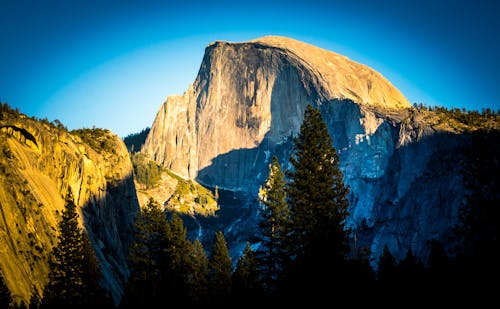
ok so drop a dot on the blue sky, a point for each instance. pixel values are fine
(112, 63)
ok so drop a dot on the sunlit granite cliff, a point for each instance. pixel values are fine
(402, 164)
(39, 163)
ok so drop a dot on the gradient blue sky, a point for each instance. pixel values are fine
(112, 63)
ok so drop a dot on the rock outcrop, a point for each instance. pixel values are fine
(39, 163)
(247, 102)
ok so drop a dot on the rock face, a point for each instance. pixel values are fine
(39, 163)
(246, 92)
(248, 101)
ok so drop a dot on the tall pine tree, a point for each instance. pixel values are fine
(318, 204)
(74, 271)
(178, 260)
(247, 283)
(198, 273)
(146, 258)
(275, 221)
(220, 270)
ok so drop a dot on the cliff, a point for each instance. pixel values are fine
(402, 164)
(39, 163)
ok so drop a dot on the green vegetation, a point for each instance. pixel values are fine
(247, 282)
(220, 269)
(146, 172)
(101, 140)
(191, 197)
(74, 271)
(135, 141)
(472, 119)
(274, 225)
(317, 194)
(161, 259)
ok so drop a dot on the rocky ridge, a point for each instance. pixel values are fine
(246, 104)
(39, 163)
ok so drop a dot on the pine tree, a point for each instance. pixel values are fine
(146, 258)
(275, 220)
(410, 270)
(220, 270)
(246, 278)
(5, 297)
(177, 260)
(318, 209)
(387, 267)
(74, 271)
(198, 273)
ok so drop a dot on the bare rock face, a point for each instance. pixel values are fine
(248, 101)
(39, 164)
(246, 92)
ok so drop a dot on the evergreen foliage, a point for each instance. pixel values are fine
(177, 261)
(317, 194)
(101, 140)
(146, 257)
(387, 267)
(146, 172)
(198, 274)
(74, 271)
(135, 141)
(246, 278)
(220, 270)
(275, 215)
(318, 202)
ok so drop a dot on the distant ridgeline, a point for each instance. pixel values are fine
(134, 141)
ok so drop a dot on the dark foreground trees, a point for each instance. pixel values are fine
(74, 278)
(318, 205)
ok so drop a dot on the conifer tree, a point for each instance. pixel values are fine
(177, 260)
(387, 267)
(410, 270)
(146, 258)
(275, 221)
(198, 273)
(246, 278)
(318, 203)
(220, 270)
(74, 271)
(438, 262)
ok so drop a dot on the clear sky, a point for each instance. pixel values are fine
(112, 63)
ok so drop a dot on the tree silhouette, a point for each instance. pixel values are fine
(146, 258)
(74, 271)
(246, 278)
(220, 270)
(387, 267)
(318, 204)
(274, 225)
(198, 274)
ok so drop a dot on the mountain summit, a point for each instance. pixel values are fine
(338, 76)
(247, 103)
(247, 91)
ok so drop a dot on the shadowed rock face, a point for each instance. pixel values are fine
(39, 163)
(248, 101)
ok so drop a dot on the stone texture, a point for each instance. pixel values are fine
(39, 163)
(248, 101)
